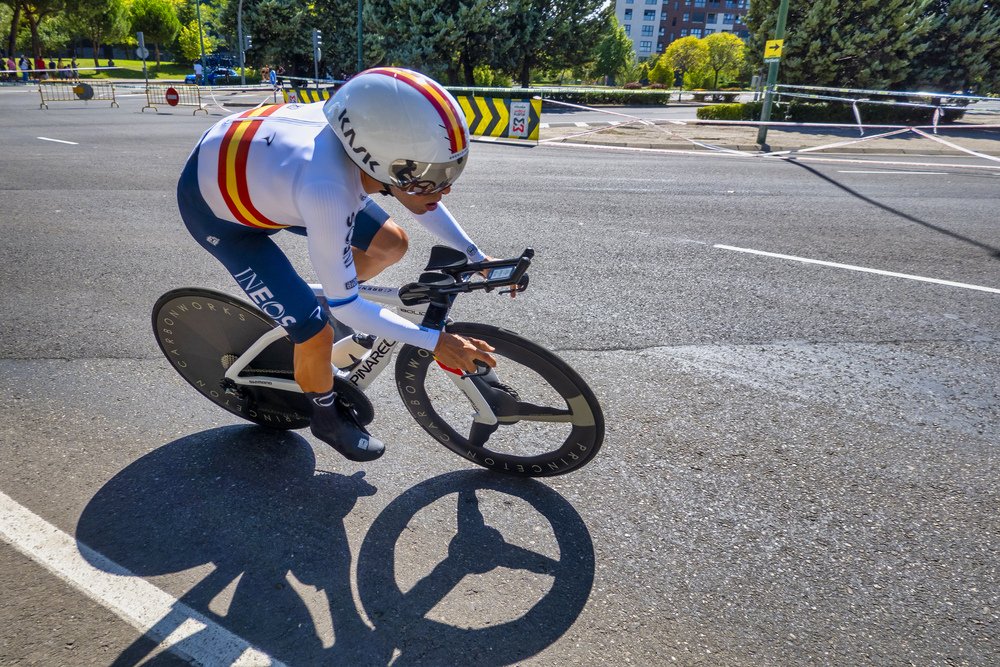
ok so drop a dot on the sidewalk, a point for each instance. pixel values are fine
(668, 135)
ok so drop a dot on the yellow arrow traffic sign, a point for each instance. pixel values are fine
(773, 48)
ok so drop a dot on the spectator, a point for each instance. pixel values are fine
(3, 68)
(11, 68)
(40, 66)
(73, 70)
(60, 68)
(25, 66)
(111, 62)
(52, 64)
(198, 71)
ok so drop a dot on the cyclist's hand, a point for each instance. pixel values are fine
(486, 273)
(462, 353)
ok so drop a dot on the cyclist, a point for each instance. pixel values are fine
(310, 169)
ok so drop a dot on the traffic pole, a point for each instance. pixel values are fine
(772, 75)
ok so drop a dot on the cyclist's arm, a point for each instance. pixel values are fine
(322, 208)
(442, 224)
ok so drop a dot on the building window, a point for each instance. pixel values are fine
(652, 2)
(628, 29)
(649, 15)
(628, 14)
(713, 3)
(686, 18)
(645, 47)
(647, 31)
(730, 4)
(729, 19)
(709, 31)
(698, 17)
(699, 3)
(696, 32)
(661, 31)
(711, 18)
(674, 21)
(684, 32)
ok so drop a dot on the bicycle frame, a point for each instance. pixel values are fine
(371, 365)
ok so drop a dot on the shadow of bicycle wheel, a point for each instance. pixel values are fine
(402, 618)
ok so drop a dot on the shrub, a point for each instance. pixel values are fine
(586, 97)
(632, 86)
(800, 112)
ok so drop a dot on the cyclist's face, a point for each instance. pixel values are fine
(417, 203)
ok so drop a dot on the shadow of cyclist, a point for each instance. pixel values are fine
(249, 502)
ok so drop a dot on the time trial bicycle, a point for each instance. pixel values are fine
(531, 416)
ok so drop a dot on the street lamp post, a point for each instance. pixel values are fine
(239, 36)
(201, 38)
(772, 75)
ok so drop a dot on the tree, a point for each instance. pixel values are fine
(157, 21)
(553, 33)
(662, 72)
(687, 54)
(725, 54)
(450, 36)
(615, 55)
(963, 51)
(36, 11)
(101, 20)
(191, 41)
(15, 20)
(845, 43)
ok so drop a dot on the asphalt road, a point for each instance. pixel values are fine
(800, 464)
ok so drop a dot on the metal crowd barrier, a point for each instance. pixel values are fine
(71, 91)
(174, 96)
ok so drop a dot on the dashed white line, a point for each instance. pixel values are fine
(915, 173)
(860, 268)
(142, 605)
(59, 141)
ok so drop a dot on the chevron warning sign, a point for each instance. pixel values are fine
(495, 117)
(304, 96)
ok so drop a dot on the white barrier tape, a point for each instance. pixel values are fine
(864, 101)
(841, 143)
(590, 131)
(956, 146)
(670, 151)
(886, 92)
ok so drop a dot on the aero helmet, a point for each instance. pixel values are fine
(401, 128)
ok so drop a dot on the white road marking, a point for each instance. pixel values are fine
(143, 606)
(60, 141)
(915, 173)
(581, 124)
(860, 268)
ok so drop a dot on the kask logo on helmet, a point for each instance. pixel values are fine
(349, 135)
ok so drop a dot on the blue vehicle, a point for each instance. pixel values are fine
(217, 76)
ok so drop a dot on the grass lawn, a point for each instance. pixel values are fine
(132, 69)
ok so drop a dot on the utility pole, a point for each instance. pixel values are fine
(317, 52)
(772, 73)
(201, 41)
(239, 37)
(359, 34)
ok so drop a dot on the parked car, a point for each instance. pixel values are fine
(217, 76)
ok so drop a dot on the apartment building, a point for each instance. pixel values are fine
(653, 24)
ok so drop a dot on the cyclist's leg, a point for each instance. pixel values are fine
(377, 242)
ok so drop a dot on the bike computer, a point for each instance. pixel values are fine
(500, 274)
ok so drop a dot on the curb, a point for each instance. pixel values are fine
(755, 148)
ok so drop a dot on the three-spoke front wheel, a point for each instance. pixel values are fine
(548, 420)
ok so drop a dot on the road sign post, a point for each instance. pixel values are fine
(773, 59)
(143, 53)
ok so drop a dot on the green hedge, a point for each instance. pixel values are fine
(586, 96)
(800, 112)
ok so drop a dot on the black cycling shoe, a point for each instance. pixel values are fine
(335, 424)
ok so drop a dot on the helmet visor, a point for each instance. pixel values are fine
(424, 178)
